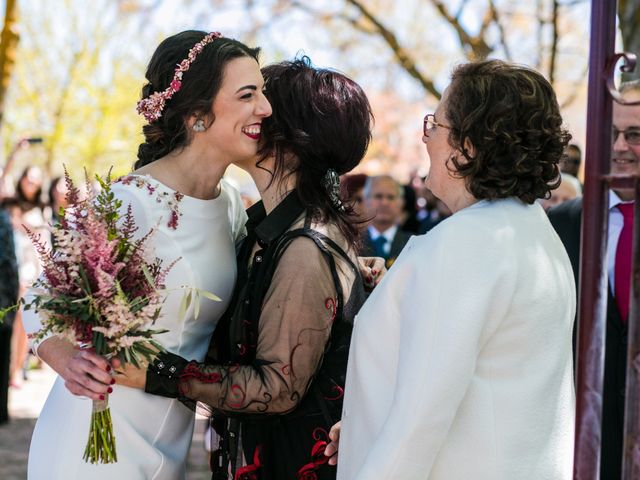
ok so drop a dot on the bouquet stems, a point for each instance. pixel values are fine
(101, 446)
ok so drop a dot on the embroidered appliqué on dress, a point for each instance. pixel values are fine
(318, 458)
(171, 200)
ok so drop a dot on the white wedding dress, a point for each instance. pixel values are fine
(153, 434)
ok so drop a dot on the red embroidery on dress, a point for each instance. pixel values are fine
(320, 433)
(236, 389)
(318, 458)
(331, 304)
(250, 472)
(293, 352)
(171, 200)
(192, 371)
(339, 393)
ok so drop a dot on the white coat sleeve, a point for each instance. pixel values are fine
(449, 299)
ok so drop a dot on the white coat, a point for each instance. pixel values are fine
(460, 364)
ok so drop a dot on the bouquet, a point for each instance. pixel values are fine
(101, 289)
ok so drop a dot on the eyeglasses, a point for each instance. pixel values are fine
(631, 135)
(430, 123)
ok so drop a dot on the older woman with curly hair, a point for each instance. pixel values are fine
(460, 363)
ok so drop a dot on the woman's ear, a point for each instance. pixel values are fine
(191, 120)
(468, 147)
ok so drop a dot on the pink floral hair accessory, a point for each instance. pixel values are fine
(151, 107)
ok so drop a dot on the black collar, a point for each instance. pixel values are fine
(269, 227)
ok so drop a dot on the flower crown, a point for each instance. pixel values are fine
(151, 107)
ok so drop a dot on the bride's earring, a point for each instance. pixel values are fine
(198, 126)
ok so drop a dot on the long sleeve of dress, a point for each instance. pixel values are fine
(446, 312)
(295, 324)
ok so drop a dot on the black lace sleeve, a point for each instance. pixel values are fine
(295, 325)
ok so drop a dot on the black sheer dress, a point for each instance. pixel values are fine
(275, 372)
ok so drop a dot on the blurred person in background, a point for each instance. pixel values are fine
(352, 192)
(9, 287)
(27, 212)
(435, 211)
(565, 191)
(57, 198)
(383, 202)
(7, 188)
(571, 160)
(409, 218)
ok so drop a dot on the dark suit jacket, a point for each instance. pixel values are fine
(8, 266)
(567, 221)
(399, 241)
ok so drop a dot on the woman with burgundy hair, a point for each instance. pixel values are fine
(276, 370)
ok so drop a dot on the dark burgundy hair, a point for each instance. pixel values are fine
(323, 119)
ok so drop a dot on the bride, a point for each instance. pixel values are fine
(205, 114)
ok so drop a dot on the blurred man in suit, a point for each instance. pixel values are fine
(567, 219)
(383, 202)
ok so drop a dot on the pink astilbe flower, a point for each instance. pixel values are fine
(100, 257)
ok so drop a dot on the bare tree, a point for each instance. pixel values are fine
(8, 44)
(501, 25)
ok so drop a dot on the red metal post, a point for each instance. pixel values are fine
(631, 463)
(593, 280)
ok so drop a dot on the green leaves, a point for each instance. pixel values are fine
(6, 311)
(193, 294)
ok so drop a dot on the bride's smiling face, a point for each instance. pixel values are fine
(238, 111)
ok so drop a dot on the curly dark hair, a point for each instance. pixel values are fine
(322, 118)
(200, 85)
(511, 116)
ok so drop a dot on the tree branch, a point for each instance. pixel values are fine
(501, 30)
(575, 91)
(554, 41)
(401, 54)
(479, 49)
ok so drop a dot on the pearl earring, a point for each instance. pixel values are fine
(198, 126)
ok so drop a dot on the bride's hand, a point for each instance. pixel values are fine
(87, 374)
(130, 375)
(331, 450)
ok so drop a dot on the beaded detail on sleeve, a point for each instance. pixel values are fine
(170, 199)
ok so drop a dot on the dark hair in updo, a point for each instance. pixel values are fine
(323, 119)
(511, 116)
(200, 85)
